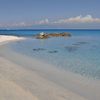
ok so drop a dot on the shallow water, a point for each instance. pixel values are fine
(79, 53)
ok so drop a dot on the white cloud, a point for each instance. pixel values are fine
(42, 22)
(17, 24)
(25, 24)
(79, 19)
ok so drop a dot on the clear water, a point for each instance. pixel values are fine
(79, 53)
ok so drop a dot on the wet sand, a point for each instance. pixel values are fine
(25, 78)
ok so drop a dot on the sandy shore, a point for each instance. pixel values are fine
(25, 78)
(4, 39)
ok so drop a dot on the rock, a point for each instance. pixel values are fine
(39, 49)
(42, 36)
(71, 48)
(80, 43)
(47, 35)
(55, 51)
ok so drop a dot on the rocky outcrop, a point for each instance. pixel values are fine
(45, 36)
(48, 35)
(59, 34)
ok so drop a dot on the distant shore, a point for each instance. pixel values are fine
(25, 78)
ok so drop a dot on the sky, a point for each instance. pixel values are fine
(50, 14)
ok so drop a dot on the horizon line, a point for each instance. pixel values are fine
(50, 29)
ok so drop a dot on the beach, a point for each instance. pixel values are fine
(26, 78)
(4, 39)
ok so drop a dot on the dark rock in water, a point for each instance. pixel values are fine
(48, 35)
(75, 46)
(39, 49)
(82, 42)
(59, 34)
(42, 36)
(55, 51)
(79, 43)
(71, 48)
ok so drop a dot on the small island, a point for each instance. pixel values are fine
(43, 35)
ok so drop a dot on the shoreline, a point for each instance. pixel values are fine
(40, 80)
(7, 38)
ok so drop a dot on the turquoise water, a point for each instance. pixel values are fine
(79, 54)
(36, 31)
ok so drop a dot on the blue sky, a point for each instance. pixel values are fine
(49, 13)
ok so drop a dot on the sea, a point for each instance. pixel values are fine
(79, 53)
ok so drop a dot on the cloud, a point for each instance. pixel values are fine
(19, 24)
(42, 22)
(78, 19)
(16, 24)
(26, 24)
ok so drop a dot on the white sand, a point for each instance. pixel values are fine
(25, 78)
(17, 83)
(5, 39)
